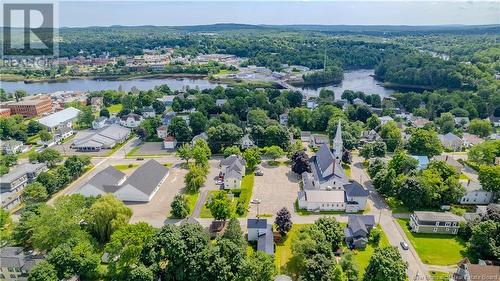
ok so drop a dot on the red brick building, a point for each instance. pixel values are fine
(4, 112)
(31, 106)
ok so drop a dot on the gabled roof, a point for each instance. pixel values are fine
(200, 136)
(107, 177)
(21, 170)
(324, 157)
(257, 223)
(59, 117)
(231, 159)
(354, 189)
(136, 117)
(147, 177)
(436, 216)
(358, 224)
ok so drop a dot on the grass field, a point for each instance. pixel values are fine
(283, 257)
(240, 195)
(437, 249)
(362, 257)
(115, 108)
(191, 198)
(397, 207)
(123, 167)
(439, 276)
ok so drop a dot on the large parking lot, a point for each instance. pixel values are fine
(151, 148)
(276, 189)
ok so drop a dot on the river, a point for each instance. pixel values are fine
(357, 80)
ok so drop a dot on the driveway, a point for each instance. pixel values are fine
(156, 211)
(276, 189)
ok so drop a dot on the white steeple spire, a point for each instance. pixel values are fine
(337, 142)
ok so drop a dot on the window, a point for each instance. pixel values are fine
(435, 229)
(454, 223)
(12, 276)
(437, 223)
(454, 231)
(447, 223)
(447, 229)
(10, 269)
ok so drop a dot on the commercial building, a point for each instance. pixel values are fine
(63, 118)
(4, 112)
(105, 138)
(30, 106)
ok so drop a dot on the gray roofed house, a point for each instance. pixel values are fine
(259, 230)
(435, 222)
(450, 141)
(140, 186)
(200, 136)
(355, 189)
(15, 261)
(220, 102)
(371, 136)
(358, 229)
(450, 161)
(256, 223)
(19, 176)
(12, 146)
(233, 170)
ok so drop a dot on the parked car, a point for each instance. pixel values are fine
(404, 245)
(259, 173)
(139, 159)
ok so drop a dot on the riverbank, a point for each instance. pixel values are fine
(237, 82)
(403, 87)
(19, 78)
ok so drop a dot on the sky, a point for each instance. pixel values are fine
(85, 13)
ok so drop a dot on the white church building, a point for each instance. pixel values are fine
(326, 187)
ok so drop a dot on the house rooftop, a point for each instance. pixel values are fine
(147, 177)
(257, 223)
(355, 189)
(436, 216)
(325, 196)
(20, 170)
(59, 117)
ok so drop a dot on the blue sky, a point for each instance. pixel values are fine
(105, 13)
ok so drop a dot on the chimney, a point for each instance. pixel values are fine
(446, 157)
(468, 182)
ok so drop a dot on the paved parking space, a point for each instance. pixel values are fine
(276, 189)
(156, 211)
(151, 148)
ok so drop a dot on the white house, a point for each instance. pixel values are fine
(495, 121)
(385, 119)
(259, 230)
(311, 103)
(169, 143)
(246, 142)
(140, 186)
(233, 170)
(99, 123)
(63, 133)
(200, 136)
(148, 112)
(131, 120)
(12, 146)
(220, 102)
(475, 194)
(284, 119)
(162, 131)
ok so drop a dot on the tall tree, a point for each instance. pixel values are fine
(424, 142)
(180, 208)
(386, 264)
(106, 215)
(43, 271)
(220, 206)
(283, 221)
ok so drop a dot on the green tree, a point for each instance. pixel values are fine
(49, 156)
(252, 157)
(257, 117)
(104, 113)
(180, 208)
(446, 122)
(489, 176)
(33, 127)
(75, 257)
(349, 266)
(334, 232)
(34, 193)
(107, 215)
(179, 129)
(373, 122)
(185, 152)
(259, 266)
(125, 248)
(198, 122)
(386, 264)
(49, 181)
(485, 240)
(485, 152)
(220, 206)
(195, 178)
(391, 135)
(43, 271)
(140, 273)
(45, 136)
(424, 142)
(480, 127)
(366, 151)
(224, 135)
(231, 150)
(85, 117)
(274, 152)
(402, 163)
(233, 233)
(201, 153)
(414, 194)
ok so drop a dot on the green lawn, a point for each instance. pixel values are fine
(438, 249)
(240, 195)
(115, 108)
(464, 176)
(362, 257)
(123, 167)
(283, 257)
(191, 199)
(397, 207)
(439, 276)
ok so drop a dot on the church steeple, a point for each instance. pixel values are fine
(337, 142)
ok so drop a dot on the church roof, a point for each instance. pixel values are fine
(324, 157)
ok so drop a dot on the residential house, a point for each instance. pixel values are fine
(167, 117)
(12, 147)
(63, 133)
(283, 119)
(358, 229)
(318, 140)
(435, 222)
(131, 120)
(200, 136)
(312, 103)
(467, 271)
(450, 141)
(461, 121)
(469, 140)
(13, 183)
(423, 161)
(358, 101)
(162, 131)
(495, 121)
(220, 102)
(99, 123)
(262, 232)
(16, 263)
(327, 187)
(169, 142)
(419, 122)
(105, 138)
(385, 119)
(140, 186)
(246, 142)
(167, 100)
(148, 112)
(63, 118)
(305, 136)
(233, 170)
(371, 136)
(475, 194)
(450, 161)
